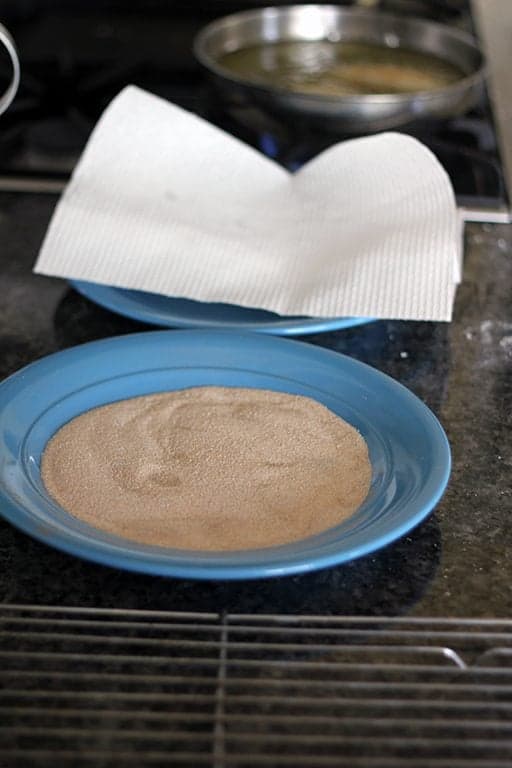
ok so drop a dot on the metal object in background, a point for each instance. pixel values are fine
(493, 20)
(12, 88)
(365, 112)
(91, 687)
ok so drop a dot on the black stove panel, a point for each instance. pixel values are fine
(74, 63)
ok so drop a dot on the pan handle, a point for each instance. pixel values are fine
(10, 92)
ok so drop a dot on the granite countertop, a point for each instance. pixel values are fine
(457, 563)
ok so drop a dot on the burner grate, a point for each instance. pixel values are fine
(101, 688)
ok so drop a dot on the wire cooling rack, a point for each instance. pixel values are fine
(90, 687)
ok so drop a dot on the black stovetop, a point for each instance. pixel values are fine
(75, 61)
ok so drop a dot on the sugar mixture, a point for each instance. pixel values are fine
(209, 468)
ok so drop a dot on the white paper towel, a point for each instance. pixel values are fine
(162, 201)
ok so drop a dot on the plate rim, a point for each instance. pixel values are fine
(109, 554)
(104, 296)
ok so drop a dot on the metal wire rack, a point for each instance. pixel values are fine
(90, 687)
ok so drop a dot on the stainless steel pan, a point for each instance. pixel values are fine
(359, 113)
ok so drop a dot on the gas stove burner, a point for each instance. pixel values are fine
(465, 147)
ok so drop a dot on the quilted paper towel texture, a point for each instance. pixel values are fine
(163, 201)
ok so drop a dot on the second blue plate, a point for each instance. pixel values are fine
(169, 312)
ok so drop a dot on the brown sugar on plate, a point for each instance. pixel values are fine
(209, 468)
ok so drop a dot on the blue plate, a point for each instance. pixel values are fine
(409, 451)
(184, 313)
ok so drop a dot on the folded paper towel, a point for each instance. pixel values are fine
(162, 201)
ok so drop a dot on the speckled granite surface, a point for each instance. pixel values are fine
(457, 563)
